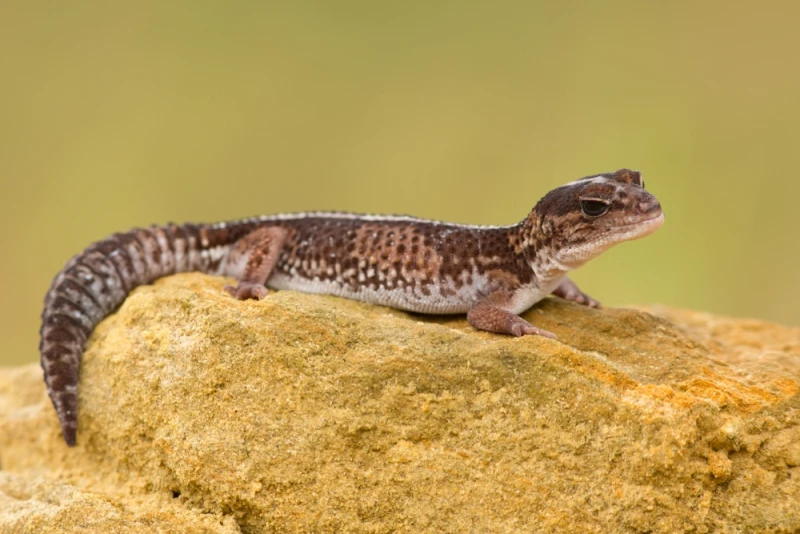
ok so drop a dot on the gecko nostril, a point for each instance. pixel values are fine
(649, 206)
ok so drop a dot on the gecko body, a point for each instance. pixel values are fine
(491, 273)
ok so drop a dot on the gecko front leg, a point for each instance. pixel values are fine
(259, 250)
(568, 290)
(490, 314)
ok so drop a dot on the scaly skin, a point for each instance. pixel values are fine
(491, 273)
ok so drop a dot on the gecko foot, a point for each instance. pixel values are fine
(492, 318)
(568, 290)
(248, 290)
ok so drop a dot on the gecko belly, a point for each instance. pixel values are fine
(434, 299)
(431, 298)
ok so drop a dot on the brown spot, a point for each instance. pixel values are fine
(155, 252)
(60, 335)
(169, 232)
(61, 320)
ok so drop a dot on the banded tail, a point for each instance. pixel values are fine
(95, 283)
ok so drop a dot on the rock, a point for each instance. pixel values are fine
(32, 503)
(304, 413)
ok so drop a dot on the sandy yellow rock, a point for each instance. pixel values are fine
(35, 503)
(305, 413)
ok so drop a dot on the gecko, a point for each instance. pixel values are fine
(491, 273)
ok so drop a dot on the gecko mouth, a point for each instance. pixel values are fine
(656, 220)
(641, 228)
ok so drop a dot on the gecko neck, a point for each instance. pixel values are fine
(539, 247)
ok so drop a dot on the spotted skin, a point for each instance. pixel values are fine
(491, 273)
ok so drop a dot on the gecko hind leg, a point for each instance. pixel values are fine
(259, 251)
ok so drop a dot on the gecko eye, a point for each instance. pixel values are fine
(594, 208)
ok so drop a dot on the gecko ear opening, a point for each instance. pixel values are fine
(593, 207)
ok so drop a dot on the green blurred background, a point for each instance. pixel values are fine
(117, 114)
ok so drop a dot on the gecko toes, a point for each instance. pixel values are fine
(524, 328)
(248, 290)
(589, 301)
(545, 333)
(583, 299)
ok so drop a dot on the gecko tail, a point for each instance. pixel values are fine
(94, 283)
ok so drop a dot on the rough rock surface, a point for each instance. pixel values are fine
(303, 413)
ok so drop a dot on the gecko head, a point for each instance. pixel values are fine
(581, 219)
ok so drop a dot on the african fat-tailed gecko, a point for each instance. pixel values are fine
(491, 273)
